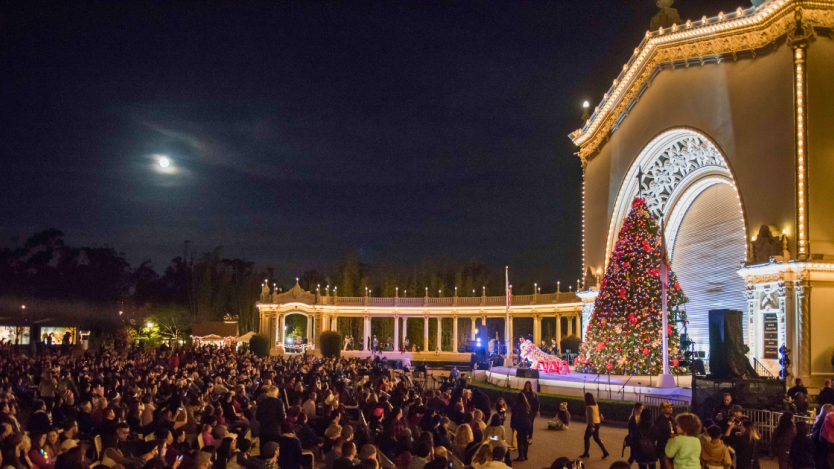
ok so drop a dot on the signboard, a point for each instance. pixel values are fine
(771, 336)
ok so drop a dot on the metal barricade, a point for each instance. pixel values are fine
(767, 421)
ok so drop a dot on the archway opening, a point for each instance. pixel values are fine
(710, 243)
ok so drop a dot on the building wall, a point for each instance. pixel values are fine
(822, 323)
(820, 83)
(742, 106)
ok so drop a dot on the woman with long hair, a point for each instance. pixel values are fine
(478, 420)
(520, 422)
(593, 417)
(494, 432)
(633, 422)
(501, 408)
(463, 437)
(53, 444)
(744, 439)
(14, 454)
(483, 457)
(780, 441)
(533, 400)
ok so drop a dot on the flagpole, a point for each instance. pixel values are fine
(508, 362)
(666, 379)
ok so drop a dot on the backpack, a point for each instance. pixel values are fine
(645, 445)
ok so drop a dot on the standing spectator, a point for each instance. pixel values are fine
(533, 400)
(685, 447)
(714, 453)
(270, 414)
(633, 422)
(501, 409)
(593, 419)
(520, 422)
(642, 440)
(797, 388)
(744, 439)
(802, 448)
(724, 411)
(821, 453)
(782, 439)
(664, 430)
(826, 395)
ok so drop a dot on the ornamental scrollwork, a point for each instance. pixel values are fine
(763, 278)
(673, 165)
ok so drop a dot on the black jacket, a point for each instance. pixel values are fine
(39, 423)
(290, 456)
(270, 415)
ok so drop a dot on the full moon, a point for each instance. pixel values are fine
(164, 162)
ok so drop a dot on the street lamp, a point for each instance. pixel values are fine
(149, 324)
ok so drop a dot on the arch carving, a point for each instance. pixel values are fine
(670, 172)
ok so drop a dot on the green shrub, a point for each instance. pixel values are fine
(259, 345)
(330, 344)
(571, 343)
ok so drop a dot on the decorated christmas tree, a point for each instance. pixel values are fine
(624, 335)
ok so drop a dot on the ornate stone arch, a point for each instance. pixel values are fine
(674, 168)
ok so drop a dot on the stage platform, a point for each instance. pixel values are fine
(618, 387)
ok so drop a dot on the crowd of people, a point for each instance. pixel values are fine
(220, 408)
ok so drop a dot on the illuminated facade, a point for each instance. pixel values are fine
(322, 309)
(724, 125)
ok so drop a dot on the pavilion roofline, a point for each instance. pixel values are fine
(672, 43)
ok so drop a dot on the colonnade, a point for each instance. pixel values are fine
(330, 323)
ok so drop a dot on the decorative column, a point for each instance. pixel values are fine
(455, 334)
(801, 353)
(366, 333)
(439, 334)
(799, 44)
(425, 333)
(396, 333)
(559, 331)
(405, 328)
(537, 330)
(310, 334)
(474, 326)
(272, 326)
(283, 330)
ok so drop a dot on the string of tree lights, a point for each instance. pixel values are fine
(623, 335)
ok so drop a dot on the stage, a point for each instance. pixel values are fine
(629, 388)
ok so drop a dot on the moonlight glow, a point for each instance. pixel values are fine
(164, 162)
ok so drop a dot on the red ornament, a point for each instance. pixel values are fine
(677, 286)
(669, 329)
(619, 349)
(675, 362)
(645, 351)
(655, 273)
(647, 246)
(609, 365)
(621, 293)
(631, 319)
(600, 346)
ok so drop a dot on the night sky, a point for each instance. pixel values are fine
(301, 131)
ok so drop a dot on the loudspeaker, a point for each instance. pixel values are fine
(727, 352)
(526, 373)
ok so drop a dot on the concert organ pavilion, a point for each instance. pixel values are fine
(728, 122)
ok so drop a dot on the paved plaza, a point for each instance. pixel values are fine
(548, 445)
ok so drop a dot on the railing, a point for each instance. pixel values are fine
(762, 370)
(653, 404)
(767, 421)
(444, 301)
